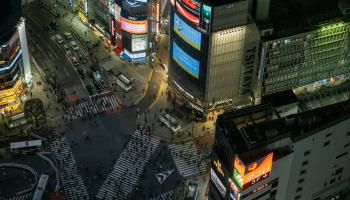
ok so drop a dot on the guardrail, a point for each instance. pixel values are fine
(81, 40)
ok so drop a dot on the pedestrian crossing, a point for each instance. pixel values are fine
(189, 162)
(93, 106)
(25, 196)
(70, 177)
(128, 168)
(164, 196)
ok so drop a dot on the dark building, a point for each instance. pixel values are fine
(261, 152)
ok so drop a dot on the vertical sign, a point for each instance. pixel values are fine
(206, 17)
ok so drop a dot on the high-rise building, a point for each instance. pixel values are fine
(231, 53)
(129, 25)
(260, 153)
(15, 73)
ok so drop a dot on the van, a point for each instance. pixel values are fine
(59, 39)
(75, 61)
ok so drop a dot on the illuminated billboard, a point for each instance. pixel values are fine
(219, 185)
(130, 26)
(187, 14)
(138, 42)
(250, 174)
(186, 32)
(191, 5)
(206, 17)
(134, 57)
(185, 61)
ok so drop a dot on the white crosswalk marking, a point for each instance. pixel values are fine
(94, 106)
(128, 168)
(68, 170)
(164, 196)
(188, 161)
(25, 196)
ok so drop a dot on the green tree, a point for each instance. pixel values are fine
(34, 112)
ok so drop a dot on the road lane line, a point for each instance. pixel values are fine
(146, 89)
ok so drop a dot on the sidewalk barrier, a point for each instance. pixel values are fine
(83, 43)
(53, 12)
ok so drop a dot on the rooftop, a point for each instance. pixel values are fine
(290, 17)
(10, 13)
(255, 127)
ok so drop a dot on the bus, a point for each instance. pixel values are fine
(169, 121)
(25, 147)
(41, 187)
(16, 120)
(124, 82)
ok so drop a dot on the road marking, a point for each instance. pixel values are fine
(66, 71)
(161, 87)
(147, 85)
(163, 176)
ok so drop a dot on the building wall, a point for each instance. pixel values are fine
(232, 64)
(303, 59)
(318, 160)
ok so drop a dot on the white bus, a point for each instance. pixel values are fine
(25, 147)
(41, 187)
(169, 121)
(16, 120)
(124, 82)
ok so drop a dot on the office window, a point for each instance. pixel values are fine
(332, 181)
(307, 153)
(326, 143)
(297, 197)
(348, 134)
(338, 171)
(299, 189)
(346, 145)
(341, 155)
(301, 180)
(302, 172)
(329, 134)
(305, 163)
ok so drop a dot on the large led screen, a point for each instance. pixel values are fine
(137, 27)
(186, 62)
(139, 42)
(248, 175)
(186, 32)
(218, 184)
(189, 15)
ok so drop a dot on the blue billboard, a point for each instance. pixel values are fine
(186, 32)
(185, 61)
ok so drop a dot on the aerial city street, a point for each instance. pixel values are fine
(175, 99)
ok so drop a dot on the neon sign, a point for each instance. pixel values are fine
(137, 27)
(248, 175)
(184, 12)
(218, 167)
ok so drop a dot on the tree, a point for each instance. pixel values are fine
(34, 112)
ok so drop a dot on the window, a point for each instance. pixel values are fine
(301, 180)
(332, 181)
(307, 153)
(297, 197)
(326, 143)
(305, 163)
(329, 134)
(341, 155)
(338, 171)
(346, 145)
(302, 172)
(299, 189)
(348, 133)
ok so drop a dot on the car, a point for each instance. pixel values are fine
(58, 38)
(170, 121)
(74, 46)
(68, 35)
(66, 49)
(75, 61)
(192, 192)
(90, 89)
(54, 25)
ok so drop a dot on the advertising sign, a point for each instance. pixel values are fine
(139, 42)
(134, 57)
(191, 5)
(186, 62)
(186, 32)
(215, 179)
(187, 14)
(248, 175)
(206, 17)
(137, 27)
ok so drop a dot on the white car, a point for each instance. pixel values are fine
(74, 46)
(67, 51)
(68, 35)
(170, 121)
(75, 61)
(59, 39)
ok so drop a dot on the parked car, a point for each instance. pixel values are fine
(74, 46)
(68, 35)
(75, 61)
(170, 121)
(54, 25)
(67, 51)
(58, 38)
(192, 192)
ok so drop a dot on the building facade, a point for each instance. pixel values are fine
(304, 156)
(15, 73)
(255, 48)
(213, 53)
